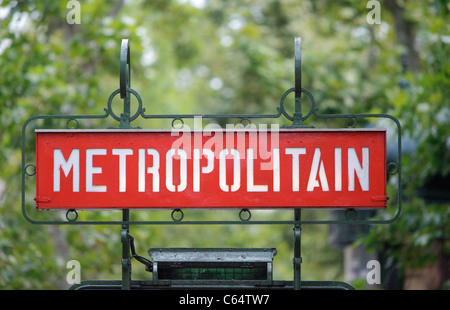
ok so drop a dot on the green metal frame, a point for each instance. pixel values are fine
(125, 120)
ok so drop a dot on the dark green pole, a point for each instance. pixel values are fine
(126, 255)
(297, 249)
(298, 118)
(125, 83)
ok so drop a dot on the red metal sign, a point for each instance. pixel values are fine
(124, 169)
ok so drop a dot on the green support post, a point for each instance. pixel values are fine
(126, 254)
(297, 249)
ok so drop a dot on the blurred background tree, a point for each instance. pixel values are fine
(215, 56)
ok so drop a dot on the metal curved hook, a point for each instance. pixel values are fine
(125, 70)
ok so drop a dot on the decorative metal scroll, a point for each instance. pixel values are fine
(177, 215)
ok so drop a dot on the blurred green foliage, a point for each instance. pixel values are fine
(217, 56)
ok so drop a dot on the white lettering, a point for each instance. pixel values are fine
(308, 172)
(223, 169)
(154, 170)
(354, 166)
(90, 170)
(169, 170)
(251, 187)
(122, 167)
(72, 162)
(196, 166)
(312, 182)
(276, 169)
(337, 169)
(295, 152)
